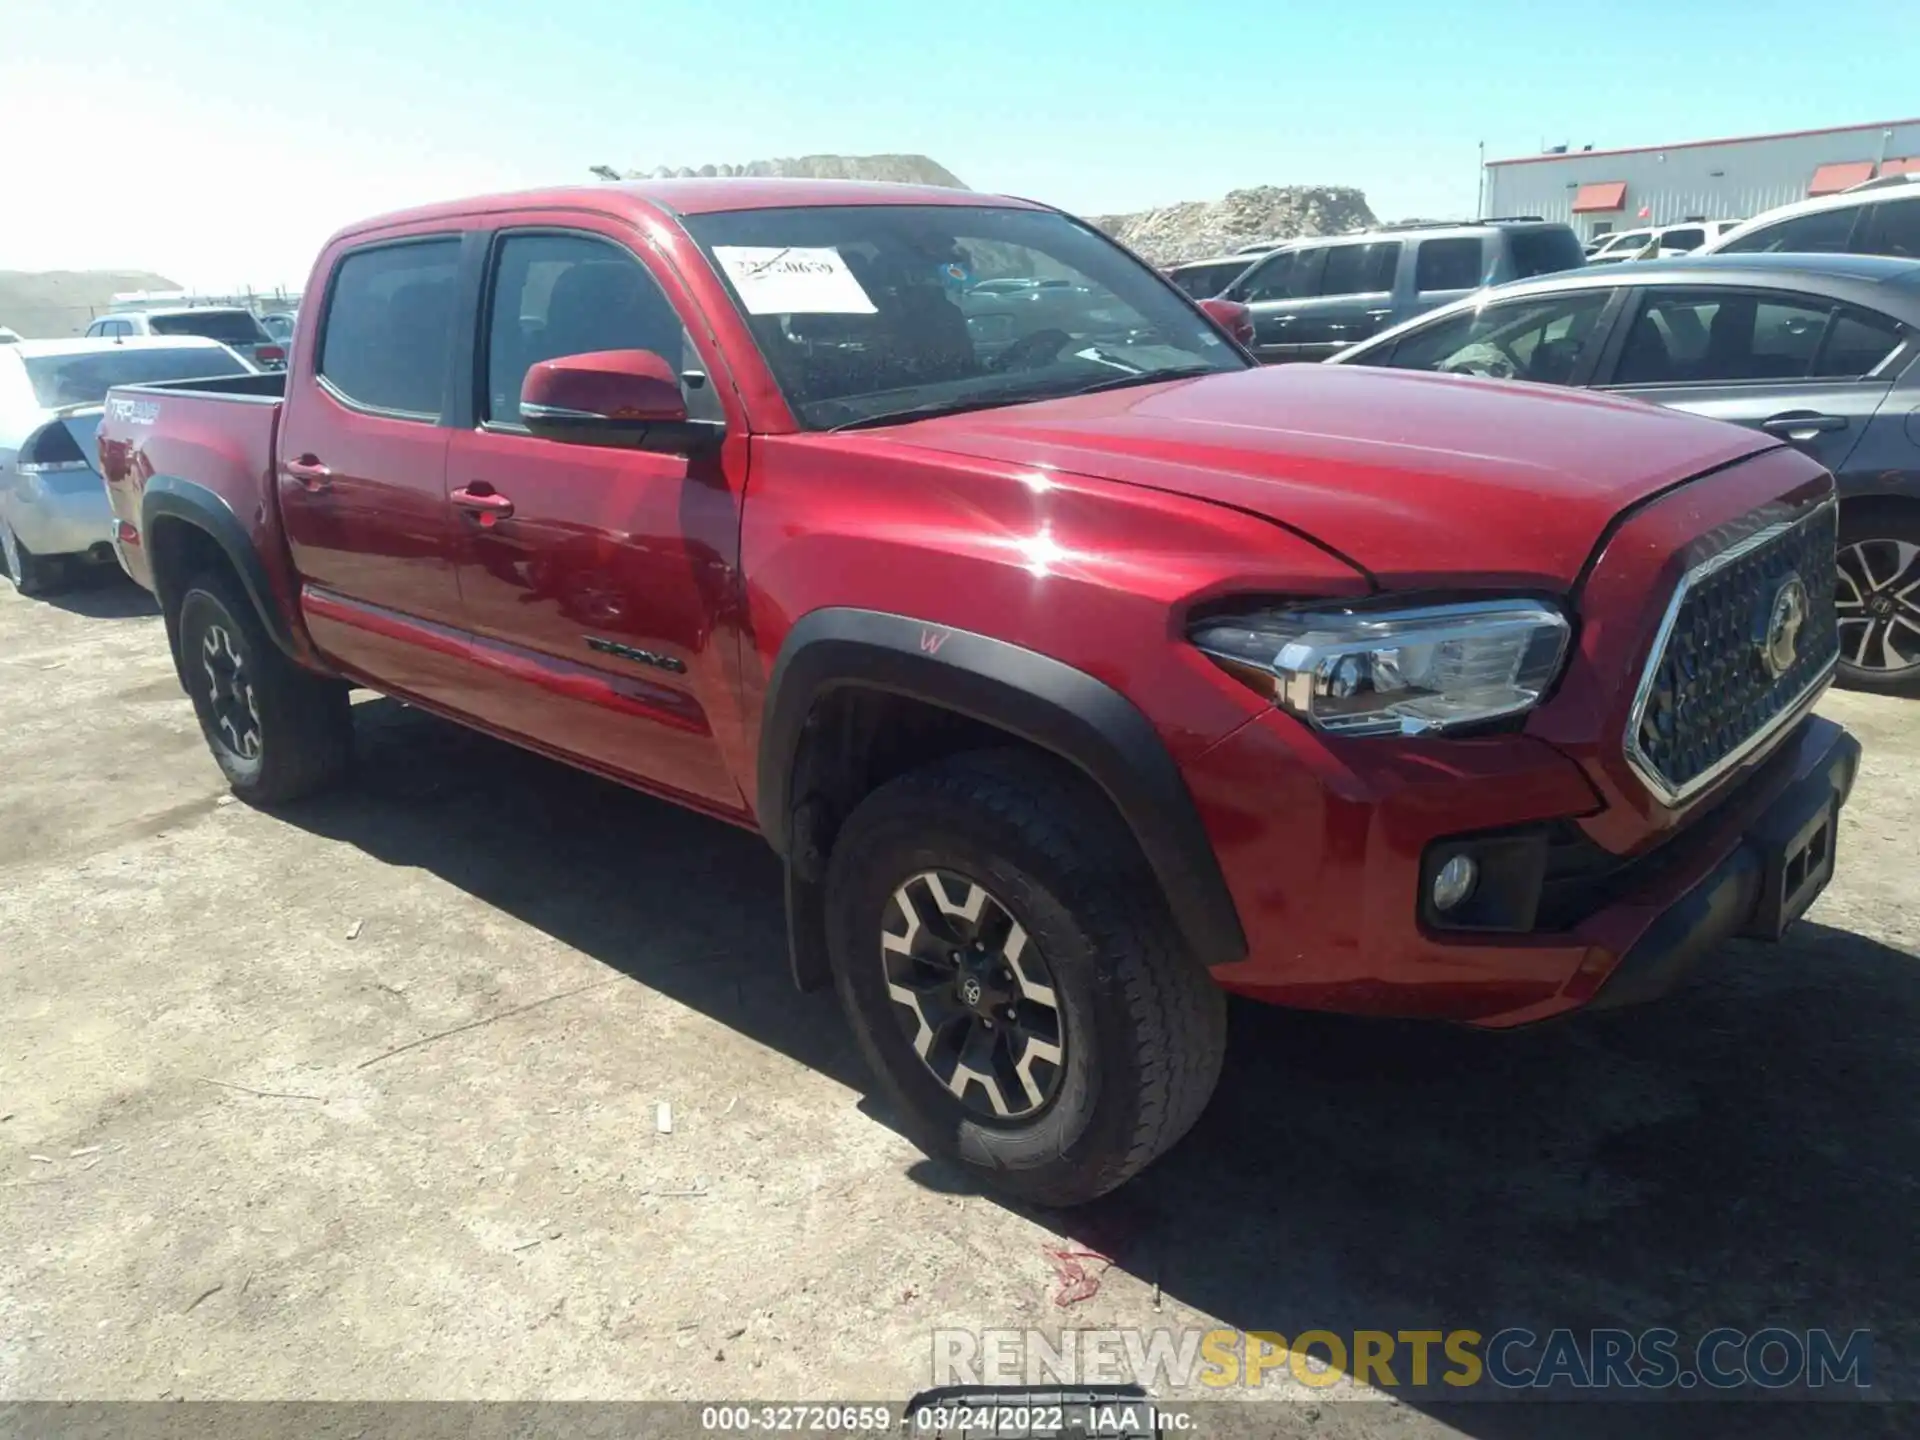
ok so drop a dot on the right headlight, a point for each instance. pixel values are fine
(1395, 672)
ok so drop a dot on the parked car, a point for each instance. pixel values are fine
(1320, 295)
(1822, 351)
(1074, 684)
(8, 337)
(53, 507)
(1881, 217)
(237, 328)
(1203, 279)
(1658, 242)
(279, 327)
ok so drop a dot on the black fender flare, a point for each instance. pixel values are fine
(168, 497)
(1045, 702)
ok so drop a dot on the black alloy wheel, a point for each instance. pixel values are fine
(1877, 601)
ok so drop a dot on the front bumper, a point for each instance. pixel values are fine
(1323, 845)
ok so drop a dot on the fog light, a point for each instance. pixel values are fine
(1455, 882)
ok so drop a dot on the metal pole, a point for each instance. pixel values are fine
(1480, 195)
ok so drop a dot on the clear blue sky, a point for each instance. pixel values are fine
(219, 141)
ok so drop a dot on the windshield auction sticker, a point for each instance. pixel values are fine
(793, 280)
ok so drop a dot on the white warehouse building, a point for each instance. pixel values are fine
(1600, 191)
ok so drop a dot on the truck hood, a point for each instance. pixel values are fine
(1417, 479)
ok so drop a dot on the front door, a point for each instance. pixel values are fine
(598, 583)
(363, 456)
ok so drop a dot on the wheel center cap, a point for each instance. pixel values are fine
(971, 990)
(977, 986)
(1880, 605)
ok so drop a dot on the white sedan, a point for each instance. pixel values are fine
(53, 503)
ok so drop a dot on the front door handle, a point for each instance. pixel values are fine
(311, 474)
(483, 502)
(1802, 425)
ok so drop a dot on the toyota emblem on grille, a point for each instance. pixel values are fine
(1779, 633)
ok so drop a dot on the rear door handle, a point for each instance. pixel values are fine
(486, 504)
(311, 474)
(1802, 426)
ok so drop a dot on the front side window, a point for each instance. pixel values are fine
(229, 327)
(1270, 282)
(1450, 264)
(1824, 232)
(1687, 238)
(1204, 281)
(1720, 336)
(1540, 340)
(557, 295)
(84, 379)
(869, 313)
(384, 345)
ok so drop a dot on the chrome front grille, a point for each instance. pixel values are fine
(1724, 674)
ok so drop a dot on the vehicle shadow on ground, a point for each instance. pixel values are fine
(1745, 1153)
(102, 594)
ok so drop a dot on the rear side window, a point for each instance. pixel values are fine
(1824, 232)
(1452, 264)
(1359, 269)
(1691, 238)
(384, 345)
(1544, 251)
(1205, 281)
(229, 327)
(1894, 228)
(1729, 337)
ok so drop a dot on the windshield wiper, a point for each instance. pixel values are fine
(1143, 377)
(991, 400)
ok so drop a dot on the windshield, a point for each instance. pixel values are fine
(229, 327)
(85, 378)
(874, 311)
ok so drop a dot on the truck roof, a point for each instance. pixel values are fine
(696, 197)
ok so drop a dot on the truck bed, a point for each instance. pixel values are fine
(207, 443)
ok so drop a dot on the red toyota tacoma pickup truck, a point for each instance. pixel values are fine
(1080, 669)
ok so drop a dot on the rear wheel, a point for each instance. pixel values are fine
(1014, 980)
(276, 731)
(1878, 603)
(31, 574)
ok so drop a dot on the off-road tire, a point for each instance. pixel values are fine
(1145, 1025)
(1884, 526)
(303, 740)
(31, 574)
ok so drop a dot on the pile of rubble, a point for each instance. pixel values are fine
(1200, 228)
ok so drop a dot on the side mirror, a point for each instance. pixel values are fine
(1232, 317)
(625, 398)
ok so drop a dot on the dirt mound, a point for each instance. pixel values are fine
(53, 304)
(1199, 228)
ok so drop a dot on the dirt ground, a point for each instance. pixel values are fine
(362, 1101)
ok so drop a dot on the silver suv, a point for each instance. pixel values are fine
(1318, 296)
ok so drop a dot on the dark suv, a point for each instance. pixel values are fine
(1318, 296)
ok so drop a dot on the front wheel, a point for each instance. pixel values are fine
(1014, 980)
(1878, 601)
(276, 731)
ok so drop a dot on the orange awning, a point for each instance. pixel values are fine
(1832, 179)
(1600, 195)
(1908, 166)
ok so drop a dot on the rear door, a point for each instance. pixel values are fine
(1799, 366)
(362, 457)
(597, 601)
